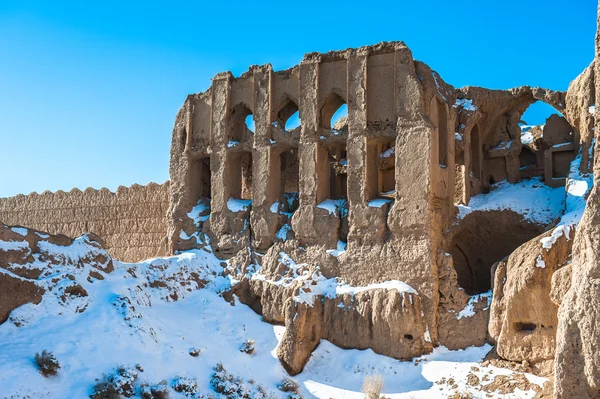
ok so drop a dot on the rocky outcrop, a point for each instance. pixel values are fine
(389, 321)
(16, 292)
(577, 364)
(34, 262)
(523, 318)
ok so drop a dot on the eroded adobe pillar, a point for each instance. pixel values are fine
(411, 217)
(367, 225)
(264, 186)
(221, 88)
(312, 225)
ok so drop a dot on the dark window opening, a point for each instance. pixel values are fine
(525, 326)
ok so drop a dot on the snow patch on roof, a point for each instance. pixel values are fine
(531, 198)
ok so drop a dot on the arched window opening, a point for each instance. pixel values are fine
(183, 138)
(250, 123)
(475, 153)
(288, 117)
(381, 169)
(290, 173)
(293, 122)
(240, 174)
(200, 179)
(288, 199)
(339, 120)
(338, 174)
(334, 113)
(545, 130)
(536, 115)
(387, 169)
(332, 184)
(241, 124)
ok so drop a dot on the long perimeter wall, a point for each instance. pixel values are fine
(131, 221)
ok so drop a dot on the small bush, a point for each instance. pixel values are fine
(115, 385)
(288, 385)
(47, 363)
(247, 347)
(186, 386)
(158, 391)
(195, 352)
(461, 395)
(231, 387)
(105, 390)
(372, 386)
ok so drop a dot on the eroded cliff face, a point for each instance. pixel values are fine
(523, 318)
(33, 262)
(577, 362)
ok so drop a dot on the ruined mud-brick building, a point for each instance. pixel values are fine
(361, 230)
(371, 197)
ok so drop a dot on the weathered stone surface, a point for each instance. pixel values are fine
(386, 321)
(28, 257)
(131, 221)
(523, 318)
(16, 292)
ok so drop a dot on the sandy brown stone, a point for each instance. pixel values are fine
(24, 260)
(523, 319)
(16, 292)
(131, 221)
(384, 320)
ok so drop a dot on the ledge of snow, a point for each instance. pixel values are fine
(531, 198)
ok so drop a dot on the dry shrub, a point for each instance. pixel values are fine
(115, 385)
(461, 395)
(157, 391)
(47, 363)
(185, 385)
(372, 386)
(105, 390)
(247, 347)
(195, 352)
(288, 385)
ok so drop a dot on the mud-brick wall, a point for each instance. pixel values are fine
(132, 221)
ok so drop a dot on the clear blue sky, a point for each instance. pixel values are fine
(89, 89)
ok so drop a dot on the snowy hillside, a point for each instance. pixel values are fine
(164, 324)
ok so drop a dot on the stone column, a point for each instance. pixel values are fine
(312, 225)
(263, 221)
(357, 128)
(309, 114)
(412, 219)
(220, 182)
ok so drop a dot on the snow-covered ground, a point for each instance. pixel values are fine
(127, 323)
